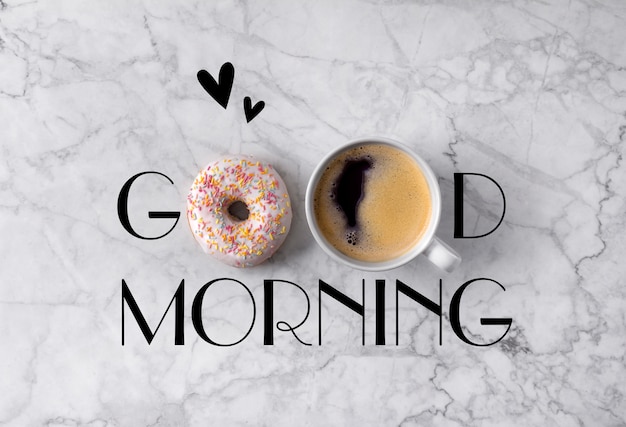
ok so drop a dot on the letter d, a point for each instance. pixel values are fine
(458, 206)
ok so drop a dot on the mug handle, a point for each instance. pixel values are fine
(442, 255)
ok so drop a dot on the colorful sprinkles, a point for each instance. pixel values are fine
(242, 243)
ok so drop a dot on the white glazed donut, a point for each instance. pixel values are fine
(216, 214)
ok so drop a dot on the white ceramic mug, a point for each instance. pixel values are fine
(437, 252)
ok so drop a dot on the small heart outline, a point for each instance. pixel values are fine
(250, 111)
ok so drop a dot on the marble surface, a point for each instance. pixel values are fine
(530, 93)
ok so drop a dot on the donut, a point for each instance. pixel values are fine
(239, 211)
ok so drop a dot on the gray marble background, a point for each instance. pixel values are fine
(531, 93)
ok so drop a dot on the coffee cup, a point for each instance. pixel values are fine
(374, 204)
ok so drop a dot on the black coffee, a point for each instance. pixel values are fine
(349, 188)
(372, 203)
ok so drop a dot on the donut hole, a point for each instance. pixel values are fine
(238, 210)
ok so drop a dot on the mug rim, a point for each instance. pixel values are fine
(412, 253)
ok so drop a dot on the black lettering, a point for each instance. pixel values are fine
(421, 300)
(458, 206)
(179, 298)
(268, 311)
(380, 312)
(196, 313)
(455, 314)
(122, 208)
(343, 299)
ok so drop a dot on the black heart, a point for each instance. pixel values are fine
(219, 91)
(252, 112)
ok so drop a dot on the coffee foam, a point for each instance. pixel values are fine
(393, 213)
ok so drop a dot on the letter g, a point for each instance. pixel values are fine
(122, 208)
